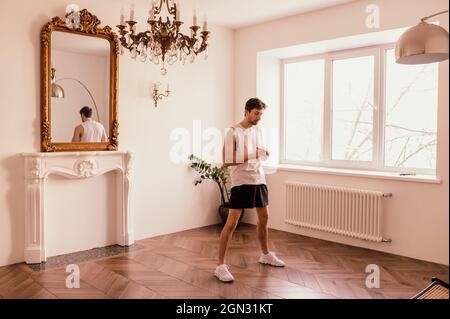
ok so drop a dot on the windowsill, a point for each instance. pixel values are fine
(354, 173)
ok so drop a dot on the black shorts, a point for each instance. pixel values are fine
(249, 196)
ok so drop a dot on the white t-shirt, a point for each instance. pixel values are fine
(92, 131)
(250, 172)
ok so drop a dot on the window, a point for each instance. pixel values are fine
(359, 109)
(352, 105)
(411, 114)
(304, 110)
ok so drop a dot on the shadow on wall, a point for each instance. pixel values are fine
(15, 199)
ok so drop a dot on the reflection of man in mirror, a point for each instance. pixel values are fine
(89, 130)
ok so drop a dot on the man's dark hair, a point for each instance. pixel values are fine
(254, 103)
(86, 111)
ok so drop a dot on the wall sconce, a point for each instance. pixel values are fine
(159, 96)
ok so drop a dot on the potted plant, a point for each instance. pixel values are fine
(220, 175)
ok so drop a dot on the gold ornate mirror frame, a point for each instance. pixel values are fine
(88, 27)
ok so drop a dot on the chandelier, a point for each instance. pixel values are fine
(163, 42)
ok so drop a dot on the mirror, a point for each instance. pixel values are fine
(79, 86)
(80, 77)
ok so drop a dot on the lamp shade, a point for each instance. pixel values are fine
(424, 43)
(57, 91)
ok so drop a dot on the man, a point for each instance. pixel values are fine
(243, 152)
(89, 130)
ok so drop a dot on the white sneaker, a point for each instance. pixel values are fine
(223, 273)
(271, 259)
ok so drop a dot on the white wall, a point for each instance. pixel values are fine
(417, 216)
(164, 199)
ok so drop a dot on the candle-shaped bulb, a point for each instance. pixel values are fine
(152, 12)
(205, 25)
(195, 18)
(132, 12)
(122, 17)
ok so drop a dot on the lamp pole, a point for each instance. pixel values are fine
(433, 15)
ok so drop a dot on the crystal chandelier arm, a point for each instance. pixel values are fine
(122, 38)
(132, 38)
(186, 43)
(158, 9)
(204, 45)
(171, 10)
(89, 92)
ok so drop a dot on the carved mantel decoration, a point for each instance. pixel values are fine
(88, 26)
(72, 165)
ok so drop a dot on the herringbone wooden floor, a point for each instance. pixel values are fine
(180, 266)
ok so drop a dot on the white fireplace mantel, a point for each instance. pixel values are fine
(72, 165)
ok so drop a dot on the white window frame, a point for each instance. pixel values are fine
(378, 152)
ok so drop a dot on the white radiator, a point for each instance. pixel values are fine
(351, 212)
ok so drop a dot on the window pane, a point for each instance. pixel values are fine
(303, 113)
(352, 105)
(411, 114)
